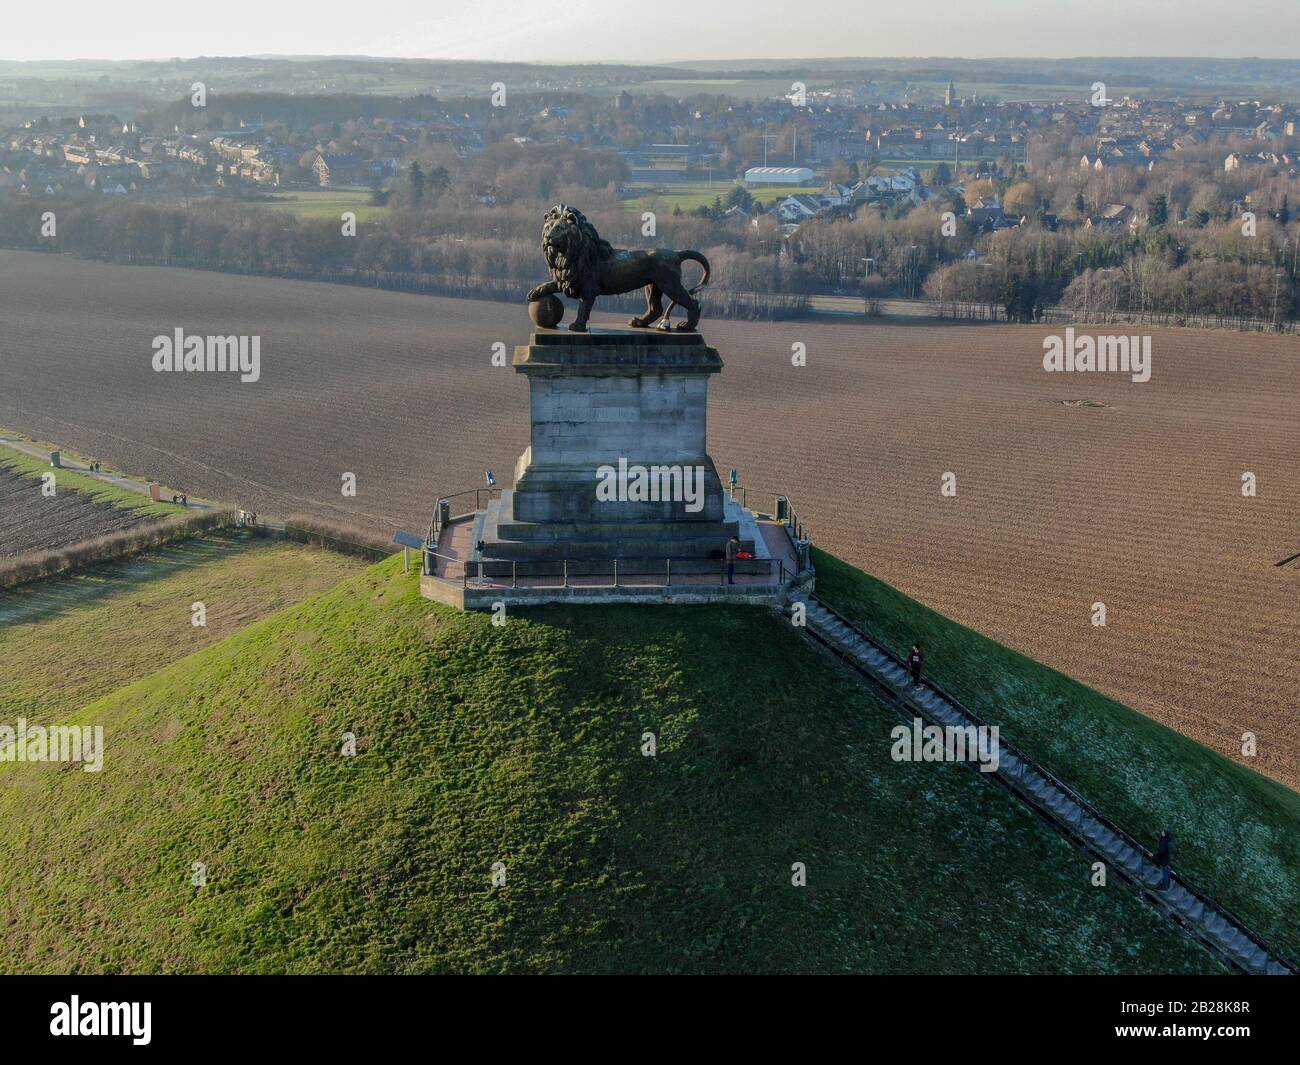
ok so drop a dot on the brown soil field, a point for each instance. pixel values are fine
(1072, 488)
(30, 521)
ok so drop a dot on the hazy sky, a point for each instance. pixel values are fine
(650, 30)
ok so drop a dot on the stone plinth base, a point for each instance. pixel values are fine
(617, 466)
(503, 537)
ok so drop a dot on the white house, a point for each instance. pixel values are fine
(798, 208)
(905, 181)
(838, 195)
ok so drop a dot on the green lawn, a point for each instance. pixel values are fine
(101, 491)
(519, 744)
(1236, 832)
(69, 640)
(327, 203)
(691, 194)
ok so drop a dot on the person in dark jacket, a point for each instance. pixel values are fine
(1165, 857)
(915, 662)
(733, 545)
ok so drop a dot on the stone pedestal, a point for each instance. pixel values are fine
(617, 466)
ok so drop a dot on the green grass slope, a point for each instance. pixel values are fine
(1236, 832)
(521, 744)
(68, 640)
(326, 204)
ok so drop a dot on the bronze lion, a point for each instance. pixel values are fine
(583, 266)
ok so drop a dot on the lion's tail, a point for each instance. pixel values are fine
(696, 257)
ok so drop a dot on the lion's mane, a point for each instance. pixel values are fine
(572, 247)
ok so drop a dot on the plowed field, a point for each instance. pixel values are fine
(31, 521)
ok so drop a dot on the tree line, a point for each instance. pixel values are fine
(1202, 243)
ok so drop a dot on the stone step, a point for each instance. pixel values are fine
(653, 567)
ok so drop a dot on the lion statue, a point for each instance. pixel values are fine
(583, 266)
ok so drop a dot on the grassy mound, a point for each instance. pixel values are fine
(521, 744)
(67, 640)
(1236, 832)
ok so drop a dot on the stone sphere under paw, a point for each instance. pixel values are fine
(546, 312)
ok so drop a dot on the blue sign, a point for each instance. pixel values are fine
(407, 539)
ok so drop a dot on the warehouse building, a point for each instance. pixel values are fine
(779, 175)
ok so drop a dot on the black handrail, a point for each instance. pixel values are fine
(775, 566)
(433, 520)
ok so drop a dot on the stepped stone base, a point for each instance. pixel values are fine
(606, 408)
(567, 491)
(616, 498)
(453, 575)
(501, 536)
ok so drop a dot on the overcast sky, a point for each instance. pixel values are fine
(650, 30)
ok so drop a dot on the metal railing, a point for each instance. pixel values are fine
(435, 524)
(451, 560)
(794, 528)
(630, 572)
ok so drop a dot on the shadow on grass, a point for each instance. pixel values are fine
(769, 752)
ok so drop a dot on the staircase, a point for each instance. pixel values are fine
(1069, 812)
